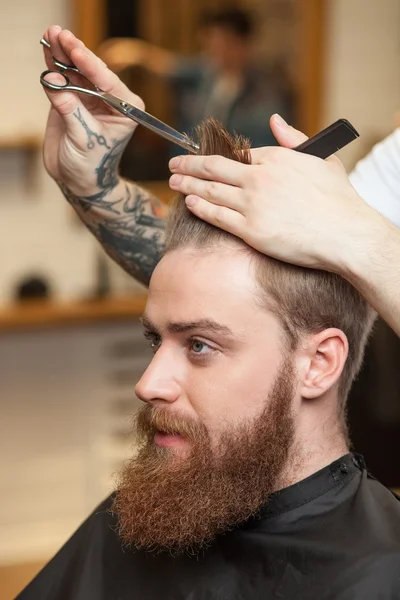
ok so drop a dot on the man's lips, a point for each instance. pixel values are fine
(165, 439)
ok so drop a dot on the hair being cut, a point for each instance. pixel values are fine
(305, 300)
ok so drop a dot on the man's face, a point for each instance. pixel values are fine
(219, 422)
(224, 48)
(217, 353)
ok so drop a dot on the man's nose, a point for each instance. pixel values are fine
(159, 383)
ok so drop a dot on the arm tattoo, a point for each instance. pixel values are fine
(132, 235)
(107, 171)
(129, 227)
(137, 247)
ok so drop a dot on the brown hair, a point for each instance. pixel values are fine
(305, 300)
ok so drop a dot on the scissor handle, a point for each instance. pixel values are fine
(68, 86)
(55, 86)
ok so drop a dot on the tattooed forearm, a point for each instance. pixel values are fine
(85, 203)
(136, 238)
(137, 249)
(126, 219)
(107, 171)
(128, 230)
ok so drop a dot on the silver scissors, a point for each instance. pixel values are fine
(130, 111)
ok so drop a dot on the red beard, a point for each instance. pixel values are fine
(166, 502)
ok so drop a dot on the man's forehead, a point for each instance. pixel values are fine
(215, 277)
(189, 286)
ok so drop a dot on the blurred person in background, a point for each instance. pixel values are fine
(224, 82)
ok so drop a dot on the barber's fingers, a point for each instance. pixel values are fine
(65, 103)
(212, 191)
(57, 49)
(47, 52)
(75, 115)
(75, 110)
(70, 109)
(92, 67)
(66, 47)
(220, 216)
(212, 168)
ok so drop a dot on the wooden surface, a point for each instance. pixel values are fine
(37, 314)
(14, 578)
(29, 142)
(88, 21)
(311, 60)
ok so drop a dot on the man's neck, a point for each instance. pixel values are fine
(308, 458)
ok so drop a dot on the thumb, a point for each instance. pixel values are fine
(65, 103)
(285, 135)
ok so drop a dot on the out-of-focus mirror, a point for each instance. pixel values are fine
(288, 39)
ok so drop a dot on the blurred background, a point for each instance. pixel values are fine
(71, 349)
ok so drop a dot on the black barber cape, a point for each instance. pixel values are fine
(333, 536)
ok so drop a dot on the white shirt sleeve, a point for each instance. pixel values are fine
(376, 177)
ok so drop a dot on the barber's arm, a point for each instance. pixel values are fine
(298, 209)
(377, 177)
(83, 145)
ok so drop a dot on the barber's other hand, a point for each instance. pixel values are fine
(84, 139)
(294, 207)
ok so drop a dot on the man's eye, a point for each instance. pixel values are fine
(199, 347)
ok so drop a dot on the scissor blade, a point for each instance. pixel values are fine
(147, 120)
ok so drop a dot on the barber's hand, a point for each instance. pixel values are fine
(294, 207)
(84, 138)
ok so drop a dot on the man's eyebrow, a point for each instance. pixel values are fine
(208, 325)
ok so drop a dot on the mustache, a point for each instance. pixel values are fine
(149, 420)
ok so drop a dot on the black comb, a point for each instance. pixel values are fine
(329, 140)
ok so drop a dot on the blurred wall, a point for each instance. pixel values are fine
(37, 233)
(362, 76)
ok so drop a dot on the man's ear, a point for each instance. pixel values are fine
(323, 357)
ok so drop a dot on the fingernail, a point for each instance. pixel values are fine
(279, 121)
(174, 162)
(190, 201)
(175, 180)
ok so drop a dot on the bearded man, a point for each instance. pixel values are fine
(243, 485)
